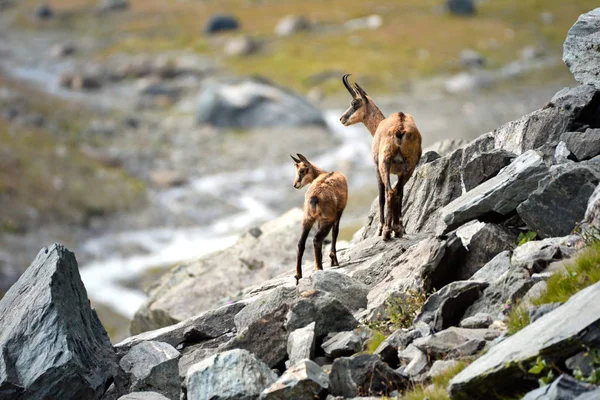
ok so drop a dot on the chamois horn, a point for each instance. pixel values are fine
(348, 87)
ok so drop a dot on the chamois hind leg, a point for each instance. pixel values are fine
(381, 188)
(322, 232)
(398, 225)
(306, 226)
(390, 202)
(334, 235)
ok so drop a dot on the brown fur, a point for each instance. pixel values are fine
(396, 149)
(324, 203)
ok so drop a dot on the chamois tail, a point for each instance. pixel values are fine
(314, 201)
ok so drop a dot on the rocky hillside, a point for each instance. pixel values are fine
(493, 293)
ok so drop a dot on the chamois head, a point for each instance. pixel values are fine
(358, 107)
(305, 173)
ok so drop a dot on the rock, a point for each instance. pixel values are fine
(342, 344)
(165, 179)
(363, 374)
(538, 312)
(494, 269)
(397, 341)
(143, 396)
(152, 366)
(416, 361)
(477, 321)
(235, 374)
(500, 194)
(592, 395)
(446, 307)
(583, 145)
(254, 103)
(428, 157)
(113, 5)
(301, 344)
(461, 7)
(265, 306)
(530, 53)
(61, 50)
(485, 166)
(564, 193)
(44, 11)
(304, 381)
(80, 81)
(592, 212)
(241, 46)
(468, 82)
(291, 25)
(350, 292)
(445, 147)
(205, 326)
(557, 336)
(441, 366)
(536, 255)
(547, 17)
(452, 342)
(371, 22)
(196, 353)
(48, 350)
(221, 23)
(562, 154)
(564, 387)
(223, 274)
(570, 110)
(582, 361)
(581, 51)
(469, 58)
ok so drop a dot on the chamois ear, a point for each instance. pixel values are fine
(303, 159)
(347, 85)
(361, 92)
(295, 159)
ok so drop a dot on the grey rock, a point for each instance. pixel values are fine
(304, 381)
(416, 361)
(143, 396)
(538, 312)
(562, 154)
(536, 291)
(428, 157)
(564, 387)
(558, 335)
(500, 194)
(582, 361)
(48, 349)
(461, 7)
(241, 46)
(221, 23)
(113, 5)
(446, 307)
(152, 366)
(264, 306)
(469, 82)
(350, 292)
(581, 51)
(591, 395)
(564, 194)
(363, 374)
(452, 342)
(301, 344)
(254, 103)
(592, 212)
(494, 269)
(444, 147)
(536, 255)
(205, 326)
(199, 352)
(235, 374)
(291, 25)
(44, 11)
(477, 321)
(485, 166)
(397, 341)
(342, 344)
(469, 58)
(583, 145)
(441, 366)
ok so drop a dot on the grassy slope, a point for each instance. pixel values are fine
(414, 41)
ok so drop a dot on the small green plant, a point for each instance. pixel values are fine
(400, 312)
(594, 376)
(525, 237)
(543, 370)
(518, 318)
(437, 389)
(375, 341)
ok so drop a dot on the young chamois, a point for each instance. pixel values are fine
(396, 149)
(324, 203)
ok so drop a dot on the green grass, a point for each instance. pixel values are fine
(414, 41)
(582, 271)
(440, 383)
(375, 341)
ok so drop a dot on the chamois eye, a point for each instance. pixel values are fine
(355, 103)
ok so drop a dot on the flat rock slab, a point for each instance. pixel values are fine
(303, 381)
(557, 336)
(581, 51)
(564, 387)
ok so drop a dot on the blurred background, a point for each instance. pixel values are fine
(144, 133)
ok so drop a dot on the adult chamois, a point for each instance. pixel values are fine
(396, 149)
(324, 203)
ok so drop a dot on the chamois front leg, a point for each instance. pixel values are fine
(398, 225)
(334, 235)
(306, 226)
(381, 188)
(390, 201)
(322, 232)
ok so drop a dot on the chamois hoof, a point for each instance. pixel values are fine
(297, 279)
(399, 232)
(379, 230)
(387, 235)
(334, 261)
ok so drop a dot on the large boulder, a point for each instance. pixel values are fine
(210, 279)
(343, 344)
(364, 374)
(564, 195)
(152, 366)
(350, 292)
(485, 166)
(536, 255)
(581, 51)
(301, 344)
(303, 381)
(53, 345)
(452, 343)
(556, 336)
(499, 195)
(494, 269)
(254, 103)
(233, 375)
(583, 145)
